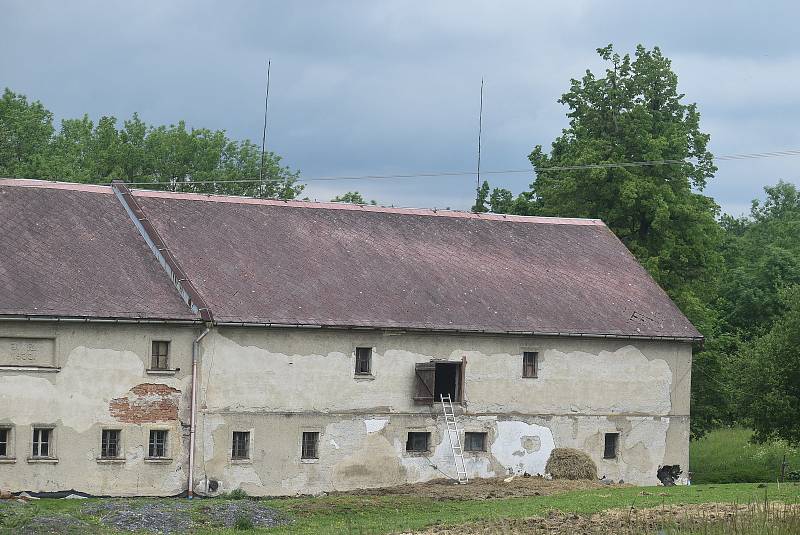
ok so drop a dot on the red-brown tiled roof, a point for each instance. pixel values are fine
(70, 250)
(323, 264)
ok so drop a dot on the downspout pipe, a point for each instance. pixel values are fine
(193, 410)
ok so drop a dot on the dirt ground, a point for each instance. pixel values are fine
(481, 489)
(619, 521)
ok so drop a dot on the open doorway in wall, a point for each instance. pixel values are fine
(437, 378)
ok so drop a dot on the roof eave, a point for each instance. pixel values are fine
(673, 338)
(106, 320)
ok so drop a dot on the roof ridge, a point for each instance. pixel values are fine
(232, 199)
(54, 184)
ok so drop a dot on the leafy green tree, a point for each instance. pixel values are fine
(25, 132)
(762, 257)
(481, 198)
(174, 157)
(352, 197)
(501, 201)
(768, 378)
(634, 113)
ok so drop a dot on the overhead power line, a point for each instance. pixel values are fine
(609, 165)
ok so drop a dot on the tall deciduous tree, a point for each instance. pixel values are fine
(762, 256)
(25, 132)
(634, 113)
(768, 378)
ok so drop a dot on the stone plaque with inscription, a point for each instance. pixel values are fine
(27, 351)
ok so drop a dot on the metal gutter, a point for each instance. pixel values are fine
(162, 253)
(193, 410)
(459, 331)
(86, 319)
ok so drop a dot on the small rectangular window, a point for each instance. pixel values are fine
(5, 436)
(109, 443)
(530, 364)
(157, 446)
(310, 444)
(612, 441)
(363, 360)
(160, 355)
(42, 442)
(417, 441)
(241, 445)
(474, 441)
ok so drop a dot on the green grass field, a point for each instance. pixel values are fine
(727, 456)
(391, 514)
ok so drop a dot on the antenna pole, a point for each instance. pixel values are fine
(264, 132)
(480, 128)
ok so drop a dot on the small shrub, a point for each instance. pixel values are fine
(568, 463)
(236, 494)
(243, 523)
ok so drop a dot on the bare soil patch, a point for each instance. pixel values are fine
(482, 489)
(624, 521)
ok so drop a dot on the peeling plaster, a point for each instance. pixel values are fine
(515, 448)
(373, 426)
(78, 397)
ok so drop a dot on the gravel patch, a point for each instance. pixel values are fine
(175, 516)
(168, 516)
(58, 524)
(228, 513)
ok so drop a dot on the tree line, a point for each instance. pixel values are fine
(174, 157)
(736, 278)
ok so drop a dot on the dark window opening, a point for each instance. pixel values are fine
(417, 441)
(612, 441)
(160, 356)
(530, 364)
(363, 360)
(447, 381)
(310, 445)
(5, 433)
(434, 379)
(474, 441)
(109, 443)
(241, 445)
(42, 439)
(157, 446)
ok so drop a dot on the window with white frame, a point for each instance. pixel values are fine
(42, 443)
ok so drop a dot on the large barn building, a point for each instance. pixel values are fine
(154, 343)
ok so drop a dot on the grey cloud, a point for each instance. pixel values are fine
(392, 87)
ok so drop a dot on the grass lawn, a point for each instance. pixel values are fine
(727, 456)
(388, 514)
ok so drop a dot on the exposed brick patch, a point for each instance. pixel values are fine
(146, 402)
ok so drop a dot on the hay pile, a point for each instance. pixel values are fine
(568, 463)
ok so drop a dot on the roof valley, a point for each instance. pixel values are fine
(180, 280)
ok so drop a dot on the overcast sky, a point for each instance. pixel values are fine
(392, 87)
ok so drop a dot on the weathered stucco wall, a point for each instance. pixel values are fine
(284, 382)
(99, 381)
(277, 383)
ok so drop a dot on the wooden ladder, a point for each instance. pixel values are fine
(454, 435)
